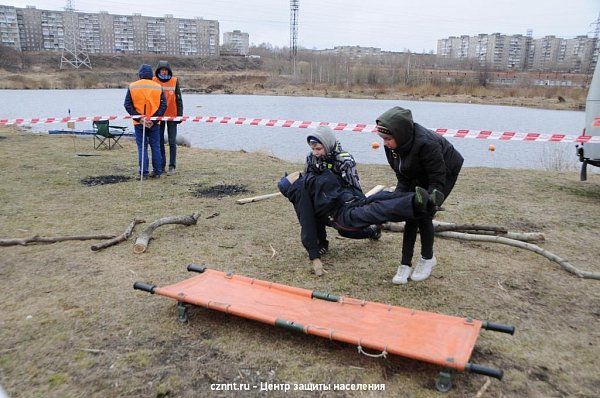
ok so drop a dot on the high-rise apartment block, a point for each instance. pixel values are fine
(522, 52)
(238, 41)
(31, 29)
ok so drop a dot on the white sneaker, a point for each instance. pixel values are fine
(402, 275)
(423, 269)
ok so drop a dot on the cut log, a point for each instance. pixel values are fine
(50, 239)
(118, 239)
(141, 243)
(523, 245)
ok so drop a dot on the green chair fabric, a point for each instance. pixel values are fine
(107, 136)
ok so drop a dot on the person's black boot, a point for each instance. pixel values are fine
(375, 232)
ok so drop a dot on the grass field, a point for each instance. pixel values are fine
(71, 325)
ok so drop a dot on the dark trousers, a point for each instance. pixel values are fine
(172, 133)
(377, 209)
(424, 226)
(152, 139)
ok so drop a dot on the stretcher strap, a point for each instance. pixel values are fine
(361, 351)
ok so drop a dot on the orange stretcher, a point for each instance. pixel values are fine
(444, 340)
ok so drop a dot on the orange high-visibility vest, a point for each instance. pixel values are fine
(145, 93)
(169, 90)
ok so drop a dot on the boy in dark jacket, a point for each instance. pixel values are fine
(321, 198)
(327, 154)
(420, 158)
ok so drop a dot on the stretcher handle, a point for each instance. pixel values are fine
(484, 370)
(196, 268)
(498, 327)
(144, 286)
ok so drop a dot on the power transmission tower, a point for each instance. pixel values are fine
(73, 53)
(294, 6)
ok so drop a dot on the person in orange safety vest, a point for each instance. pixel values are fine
(145, 97)
(163, 75)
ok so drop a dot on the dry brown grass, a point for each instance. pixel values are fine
(60, 301)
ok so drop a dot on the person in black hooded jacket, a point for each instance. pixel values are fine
(163, 75)
(422, 158)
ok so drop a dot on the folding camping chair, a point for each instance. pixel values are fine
(108, 136)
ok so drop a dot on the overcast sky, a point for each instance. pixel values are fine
(390, 25)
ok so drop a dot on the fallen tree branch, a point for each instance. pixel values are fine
(523, 245)
(438, 226)
(50, 239)
(483, 388)
(522, 236)
(141, 243)
(118, 239)
(258, 198)
(375, 189)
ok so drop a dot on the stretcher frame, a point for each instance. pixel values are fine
(442, 340)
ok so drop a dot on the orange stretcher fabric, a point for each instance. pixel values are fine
(440, 339)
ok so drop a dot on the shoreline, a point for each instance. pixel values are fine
(261, 83)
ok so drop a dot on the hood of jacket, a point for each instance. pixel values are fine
(325, 135)
(400, 123)
(145, 72)
(159, 66)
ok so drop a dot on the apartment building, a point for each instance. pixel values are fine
(9, 27)
(522, 52)
(237, 41)
(356, 52)
(32, 29)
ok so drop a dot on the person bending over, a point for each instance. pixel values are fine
(320, 198)
(420, 158)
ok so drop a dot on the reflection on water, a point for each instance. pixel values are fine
(290, 144)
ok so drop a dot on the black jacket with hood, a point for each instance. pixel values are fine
(422, 157)
(178, 97)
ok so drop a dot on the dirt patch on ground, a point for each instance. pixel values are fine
(218, 191)
(104, 180)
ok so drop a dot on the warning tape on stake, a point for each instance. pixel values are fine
(354, 127)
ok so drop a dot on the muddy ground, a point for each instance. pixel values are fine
(71, 325)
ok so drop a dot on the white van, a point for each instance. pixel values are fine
(589, 153)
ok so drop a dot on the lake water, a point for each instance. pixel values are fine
(290, 143)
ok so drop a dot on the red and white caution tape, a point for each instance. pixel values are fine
(354, 127)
